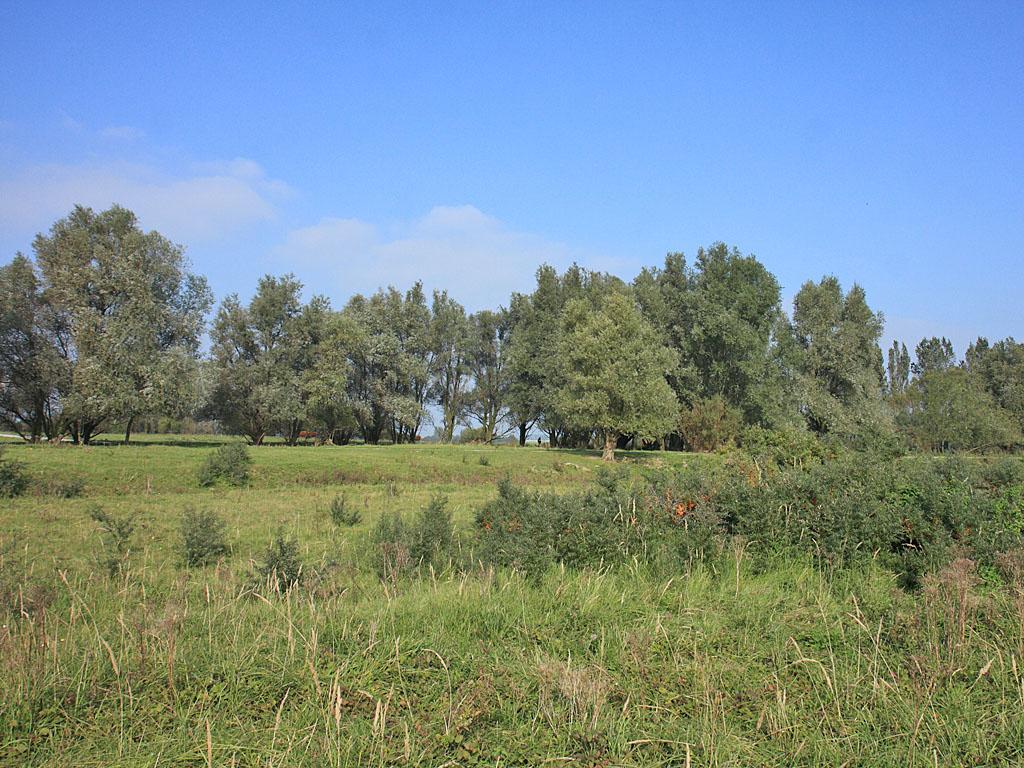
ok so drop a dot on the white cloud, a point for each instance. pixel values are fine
(201, 206)
(476, 257)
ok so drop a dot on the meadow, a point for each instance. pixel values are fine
(743, 657)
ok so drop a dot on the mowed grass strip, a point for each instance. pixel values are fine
(159, 467)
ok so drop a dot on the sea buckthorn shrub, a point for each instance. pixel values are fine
(229, 463)
(912, 515)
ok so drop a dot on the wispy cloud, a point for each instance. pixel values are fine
(122, 133)
(193, 207)
(477, 257)
(70, 123)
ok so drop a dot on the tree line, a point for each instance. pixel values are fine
(104, 326)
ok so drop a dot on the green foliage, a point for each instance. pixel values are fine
(709, 424)
(391, 362)
(787, 447)
(898, 368)
(117, 533)
(472, 435)
(342, 514)
(947, 409)
(999, 369)
(132, 313)
(34, 366)
(281, 566)
(1004, 471)
(262, 355)
(204, 537)
(516, 530)
(14, 479)
(529, 531)
(229, 463)
(613, 369)
(487, 362)
(842, 507)
(933, 355)
(840, 364)
(432, 534)
(719, 317)
(427, 541)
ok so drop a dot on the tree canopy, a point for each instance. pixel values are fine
(105, 323)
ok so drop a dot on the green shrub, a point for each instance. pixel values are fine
(399, 546)
(117, 537)
(342, 514)
(281, 566)
(841, 506)
(516, 530)
(786, 447)
(431, 535)
(484, 460)
(529, 531)
(1006, 471)
(709, 424)
(688, 511)
(14, 480)
(229, 463)
(203, 537)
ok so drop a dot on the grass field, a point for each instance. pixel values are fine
(740, 660)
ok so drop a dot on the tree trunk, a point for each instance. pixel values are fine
(522, 434)
(128, 429)
(608, 454)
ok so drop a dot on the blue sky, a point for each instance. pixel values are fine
(466, 143)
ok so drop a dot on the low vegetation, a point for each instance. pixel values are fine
(14, 480)
(229, 463)
(794, 604)
(203, 537)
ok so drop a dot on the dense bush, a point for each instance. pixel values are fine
(281, 567)
(710, 423)
(203, 537)
(786, 447)
(431, 534)
(14, 480)
(911, 515)
(342, 514)
(229, 463)
(391, 545)
(400, 545)
(530, 530)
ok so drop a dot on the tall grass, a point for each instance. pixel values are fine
(740, 658)
(770, 663)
